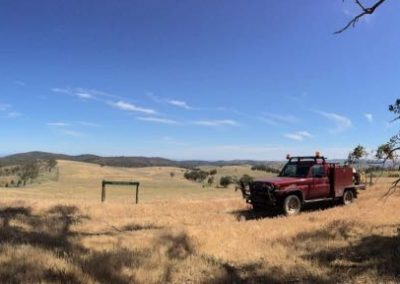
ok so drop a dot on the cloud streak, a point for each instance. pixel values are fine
(181, 104)
(216, 123)
(277, 119)
(58, 124)
(299, 135)
(157, 120)
(131, 107)
(341, 122)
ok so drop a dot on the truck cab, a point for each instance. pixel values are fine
(304, 179)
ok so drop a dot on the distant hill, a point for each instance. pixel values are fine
(122, 161)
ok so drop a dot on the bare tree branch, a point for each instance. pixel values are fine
(365, 11)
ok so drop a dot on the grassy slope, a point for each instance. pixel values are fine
(82, 181)
(58, 232)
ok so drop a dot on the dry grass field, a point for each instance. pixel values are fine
(182, 233)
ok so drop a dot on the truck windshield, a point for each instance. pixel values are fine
(295, 170)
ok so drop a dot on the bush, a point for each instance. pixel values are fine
(213, 172)
(246, 179)
(196, 175)
(225, 181)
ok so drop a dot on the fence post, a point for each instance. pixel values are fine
(137, 193)
(103, 192)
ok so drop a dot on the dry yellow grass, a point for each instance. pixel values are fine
(64, 234)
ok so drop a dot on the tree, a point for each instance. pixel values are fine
(225, 181)
(394, 143)
(357, 153)
(196, 175)
(28, 171)
(384, 151)
(210, 180)
(51, 164)
(364, 11)
(245, 180)
(389, 150)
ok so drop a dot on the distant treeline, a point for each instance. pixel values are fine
(123, 161)
(20, 174)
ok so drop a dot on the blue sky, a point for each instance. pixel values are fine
(196, 79)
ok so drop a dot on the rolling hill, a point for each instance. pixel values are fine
(125, 161)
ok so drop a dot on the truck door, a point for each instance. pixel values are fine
(320, 183)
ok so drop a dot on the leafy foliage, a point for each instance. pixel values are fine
(246, 179)
(197, 175)
(357, 153)
(225, 181)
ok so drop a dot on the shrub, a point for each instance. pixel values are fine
(210, 181)
(196, 175)
(246, 179)
(225, 181)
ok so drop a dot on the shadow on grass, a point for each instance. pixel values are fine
(369, 256)
(26, 237)
(21, 230)
(52, 233)
(374, 253)
(260, 213)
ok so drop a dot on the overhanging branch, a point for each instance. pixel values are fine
(365, 11)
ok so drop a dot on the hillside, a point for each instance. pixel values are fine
(122, 161)
(82, 181)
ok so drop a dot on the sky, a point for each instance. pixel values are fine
(196, 79)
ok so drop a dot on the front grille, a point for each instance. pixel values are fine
(262, 193)
(261, 188)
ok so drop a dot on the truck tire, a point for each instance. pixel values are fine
(348, 197)
(291, 205)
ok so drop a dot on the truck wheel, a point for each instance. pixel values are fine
(348, 197)
(291, 205)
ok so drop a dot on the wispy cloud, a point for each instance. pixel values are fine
(8, 112)
(341, 122)
(58, 124)
(277, 119)
(131, 107)
(178, 103)
(67, 124)
(369, 117)
(85, 94)
(19, 83)
(223, 122)
(87, 123)
(60, 90)
(72, 133)
(4, 107)
(157, 120)
(14, 114)
(105, 98)
(173, 102)
(298, 136)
